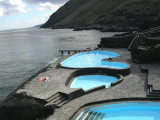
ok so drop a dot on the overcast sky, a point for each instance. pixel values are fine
(26, 13)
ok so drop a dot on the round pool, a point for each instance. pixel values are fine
(123, 111)
(90, 81)
(93, 59)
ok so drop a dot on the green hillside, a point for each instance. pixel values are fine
(63, 12)
(136, 13)
(121, 13)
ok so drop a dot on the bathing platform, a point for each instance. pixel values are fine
(142, 84)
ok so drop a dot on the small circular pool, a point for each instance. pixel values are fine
(90, 81)
(93, 59)
(123, 111)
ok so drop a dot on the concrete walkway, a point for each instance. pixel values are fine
(154, 76)
(133, 86)
(56, 83)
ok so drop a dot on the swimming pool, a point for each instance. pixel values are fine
(93, 59)
(123, 111)
(90, 81)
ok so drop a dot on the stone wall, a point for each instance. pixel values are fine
(117, 42)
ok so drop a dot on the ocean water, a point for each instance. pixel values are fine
(23, 52)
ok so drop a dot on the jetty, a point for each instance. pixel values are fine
(69, 51)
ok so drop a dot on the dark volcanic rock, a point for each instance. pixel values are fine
(108, 29)
(119, 29)
(114, 42)
(144, 50)
(24, 107)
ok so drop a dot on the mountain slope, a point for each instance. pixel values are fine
(136, 13)
(63, 12)
(90, 12)
(121, 13)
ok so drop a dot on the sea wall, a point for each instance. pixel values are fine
(117, 42)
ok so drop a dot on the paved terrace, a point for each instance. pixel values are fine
(153, 81)
(134, 85)
(154, 76)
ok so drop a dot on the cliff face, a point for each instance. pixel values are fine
(120, 13)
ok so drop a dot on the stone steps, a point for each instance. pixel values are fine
(153, 79)
(57, 99)
(152, 93)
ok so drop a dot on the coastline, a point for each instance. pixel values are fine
(101, 28)
(133, 87)
(63, 38)
(29, 79)
(21, 99)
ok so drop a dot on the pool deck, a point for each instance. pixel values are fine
(134, 85)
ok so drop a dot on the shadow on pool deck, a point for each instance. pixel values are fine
(133, 86)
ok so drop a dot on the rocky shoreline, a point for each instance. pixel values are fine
(24, 107)
(21, 106)
(100, 28)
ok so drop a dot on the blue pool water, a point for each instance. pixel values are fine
(123, 111)
(90, 81)
(93, 59)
